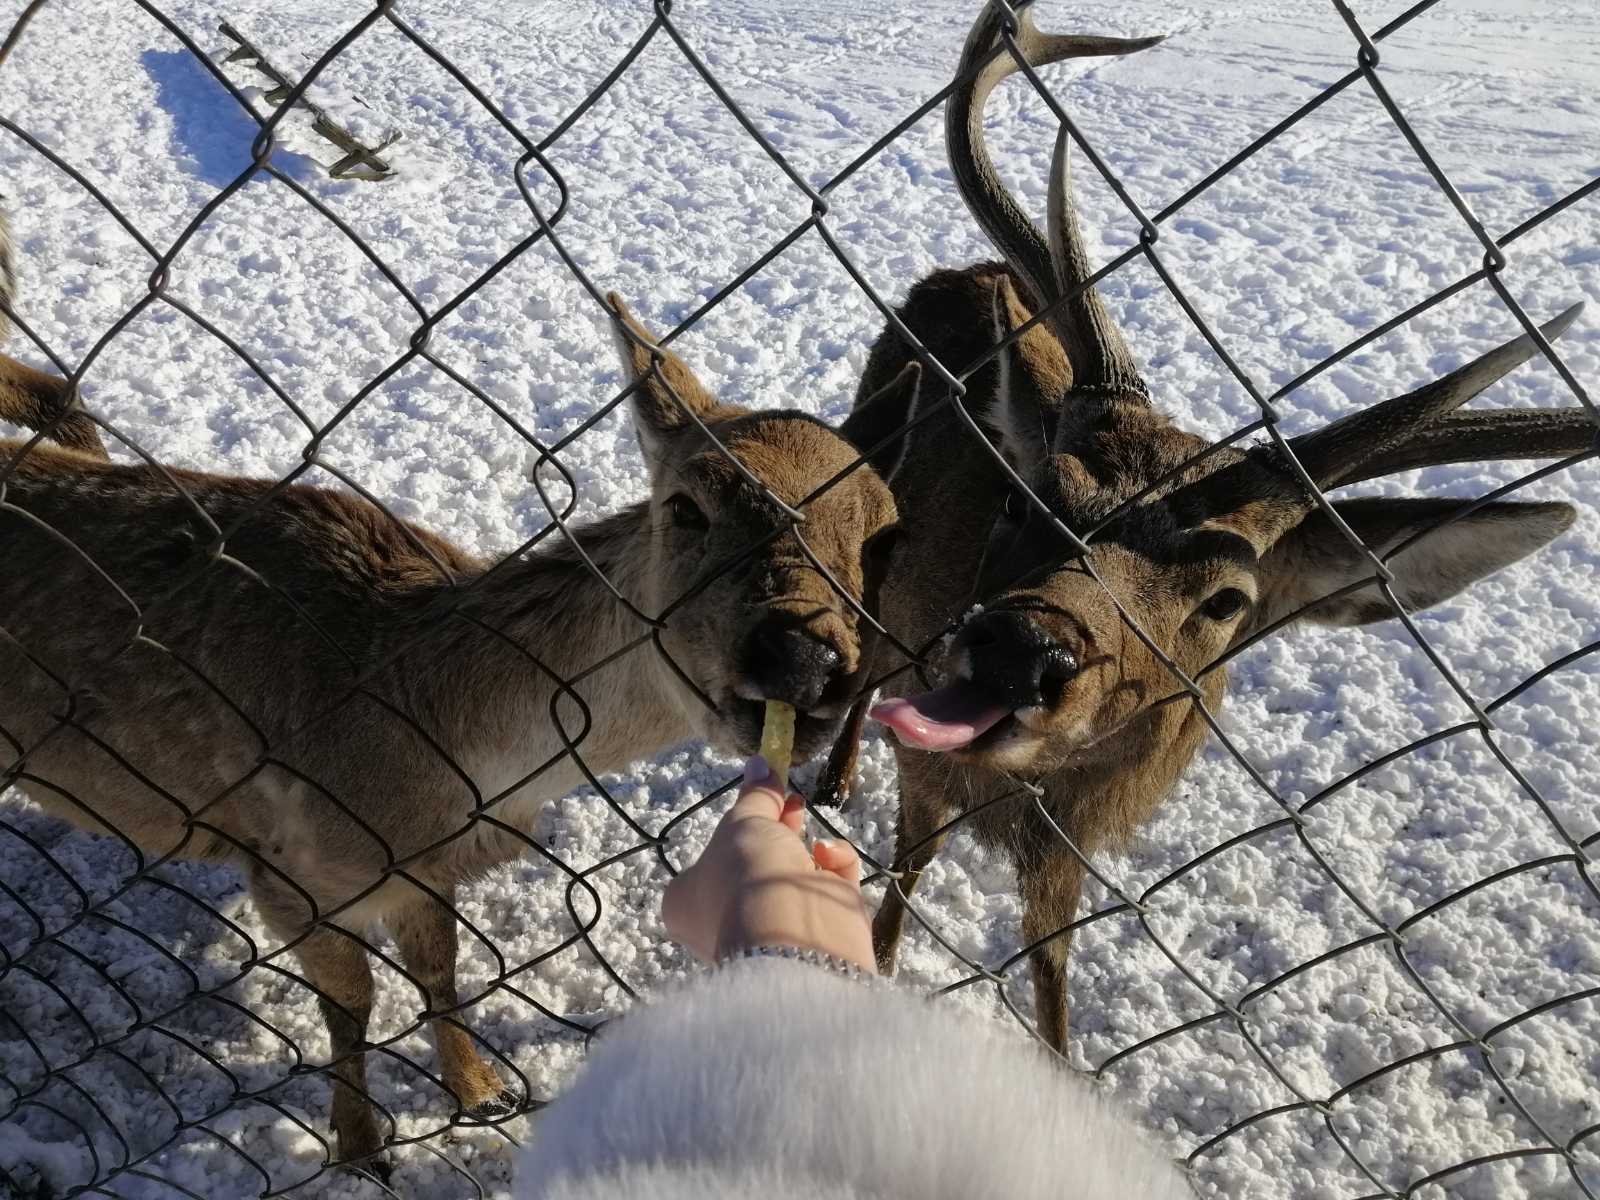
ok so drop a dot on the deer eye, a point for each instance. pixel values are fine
(1225, 604)
(686, 514)
(1015, 507)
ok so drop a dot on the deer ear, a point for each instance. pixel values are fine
(1315, 559)
(1034, 375)
(882, 415)
(668, 390)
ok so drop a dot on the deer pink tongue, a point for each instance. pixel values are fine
(945, 719)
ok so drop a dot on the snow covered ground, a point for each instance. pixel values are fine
(1326, 233)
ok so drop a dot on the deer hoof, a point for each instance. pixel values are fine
(507, 1102)
(379, 1168)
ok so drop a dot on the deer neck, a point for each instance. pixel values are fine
(1117, 793)
(533, 621)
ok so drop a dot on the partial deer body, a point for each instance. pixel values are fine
(1049, 683)
(362, 716)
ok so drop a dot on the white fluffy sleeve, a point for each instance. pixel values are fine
(778, 1081)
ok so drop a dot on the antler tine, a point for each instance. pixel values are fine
(1101, 360)
(1350, 447)
(1488, 437)
(999, 216)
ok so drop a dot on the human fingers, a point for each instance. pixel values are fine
(837, 857)
(794, 813)
(758, 794)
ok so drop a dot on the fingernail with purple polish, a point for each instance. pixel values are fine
(756, 771)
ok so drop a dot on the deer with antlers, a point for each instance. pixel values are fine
(1065, 680)
(362, 716)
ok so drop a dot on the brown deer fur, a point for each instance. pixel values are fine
(331, 692)
(1220, 550)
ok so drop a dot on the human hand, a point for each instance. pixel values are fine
(757, 885)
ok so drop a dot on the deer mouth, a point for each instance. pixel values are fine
(947, 718)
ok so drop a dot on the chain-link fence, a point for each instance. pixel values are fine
(342, 699)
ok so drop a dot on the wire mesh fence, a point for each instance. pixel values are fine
(351, 718)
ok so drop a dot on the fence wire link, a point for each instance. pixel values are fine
(50, 929)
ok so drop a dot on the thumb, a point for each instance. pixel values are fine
(837, 858)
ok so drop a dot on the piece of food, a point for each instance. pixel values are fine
(777, 741)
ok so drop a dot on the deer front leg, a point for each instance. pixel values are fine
(915, 844)
(832, 789)
(338, 968)
(1052, 884)
(426, 934)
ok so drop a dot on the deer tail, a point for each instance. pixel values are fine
(31, 398)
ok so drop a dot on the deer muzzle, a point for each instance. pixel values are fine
(1011, 659)
(1004, 661)
(781, 660)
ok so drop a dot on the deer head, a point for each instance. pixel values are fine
(1200, 553)
(751, 599)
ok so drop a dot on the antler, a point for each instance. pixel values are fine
(1486, 437)
(1422, 428)
(1100, 359)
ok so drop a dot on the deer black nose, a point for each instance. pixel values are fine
(782, 661)
(1014, 661)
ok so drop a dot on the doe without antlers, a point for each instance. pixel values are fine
(361, 716)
